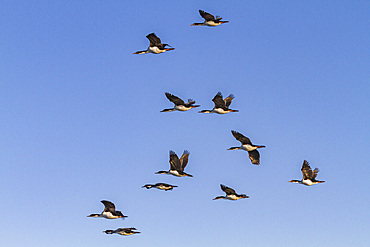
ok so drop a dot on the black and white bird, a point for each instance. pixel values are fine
(155, 46)
(230, 194)
(177, 165)
(247, 145)
(209, 20)
(109, 212)
(309, 176)
(160, 186)
(221, 105)
(122, 231)
(180, 105)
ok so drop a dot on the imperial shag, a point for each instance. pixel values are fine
(247, 145)
(230, 194)
(109, 212)
(209, 20)
(309, 176)
(221, 105)
(177, 165)
(155, 46)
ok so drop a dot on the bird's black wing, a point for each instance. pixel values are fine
(314, 173)
(190, 102)
(227, 190)
(228, 100)
(254, 156)
(109, 206)
(206, 16)
(184, 159)
(174, 161)
(154, 40)
(218, 18)
(174, 99)
(243, 139)
(219, 102)
(306, 170)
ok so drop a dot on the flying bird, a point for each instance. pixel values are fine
(247, 145)
(221, 105)
(109, 212)
(122, 231)
(155, 46)
(177, 165)
(309, 176)
(230, 194)
(209, 20)
(180, 105)
(160, 186)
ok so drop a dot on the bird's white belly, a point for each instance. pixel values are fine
(249, 147)
(176, 173)
(182, 108)
(155, 50)
(162, 187)
(109, 215)
(211, 23)
(307, 182)
(232, 197)
(220, 111)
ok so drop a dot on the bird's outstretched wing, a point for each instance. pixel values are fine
(218, 18)
(254, 156)
(227, 190)
(109, 206)
(219, 102)
(174, 99)
(243, 139)
(306, 170)
(206, 16)
(184, 159)
(190, 102)
(174, 161)
(314, 173)
(154, 40)
(228, 100)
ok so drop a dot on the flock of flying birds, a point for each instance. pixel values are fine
(177, 165)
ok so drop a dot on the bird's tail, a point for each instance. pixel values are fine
(140, 52)
(234, 148)
(204, 111)
(167, 110)
(93, 215)
(197, 24)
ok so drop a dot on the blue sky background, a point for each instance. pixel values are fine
(80, 122)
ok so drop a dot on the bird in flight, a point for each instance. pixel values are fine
(221, 105)
(160, 186)
(155, 46)
(109, 212)
(177, 165)
(209, 20)
(122, 231)
(180, 105)
(230, 194)
(247, 145)
(309, 176)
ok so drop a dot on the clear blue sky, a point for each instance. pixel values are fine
(80, 122)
